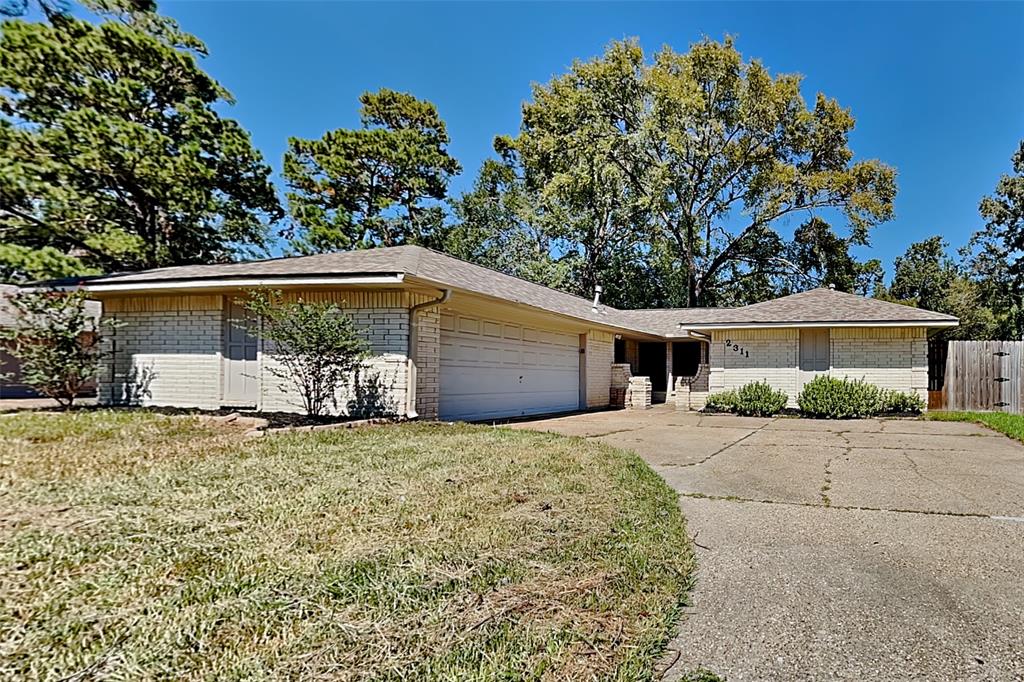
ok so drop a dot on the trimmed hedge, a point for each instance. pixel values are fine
(823, 397)
(834, 398)
(756, 399)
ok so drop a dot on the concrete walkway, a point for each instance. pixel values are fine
(851, 550)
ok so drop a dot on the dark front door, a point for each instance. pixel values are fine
(652, 364)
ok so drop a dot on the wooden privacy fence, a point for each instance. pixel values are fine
(984, 375)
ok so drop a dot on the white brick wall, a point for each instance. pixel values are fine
(380, 388)
(600, 354)
(166, 357)
(894, 358)
(763, 355)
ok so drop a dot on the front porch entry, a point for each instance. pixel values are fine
(669, 365)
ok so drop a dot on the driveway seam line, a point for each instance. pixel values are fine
(721, 450)
(734, 498)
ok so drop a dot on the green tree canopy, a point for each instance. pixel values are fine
(112, 153)
(927, 277)
(995, 255)
(497, 224)
(820, 257)
(695, 157)
(923, 274)
(376, 185)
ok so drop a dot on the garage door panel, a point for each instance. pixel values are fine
(496, 407)
(495, 374)
(481, 380)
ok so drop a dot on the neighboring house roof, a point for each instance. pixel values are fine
(9, 316)
(818, 306)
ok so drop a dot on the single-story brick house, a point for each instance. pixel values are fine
(453, 340)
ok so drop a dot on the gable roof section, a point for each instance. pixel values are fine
(816, 307)
(428, 266)
(820, 307)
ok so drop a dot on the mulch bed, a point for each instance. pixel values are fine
(275, 420)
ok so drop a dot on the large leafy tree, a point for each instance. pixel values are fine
(112, 152)
(568, 158)
(995, 255)
(820, 257)
(924, 273)
(497, 224)
(701, 156)
(557, 240)
(925, 276)
(378, 185)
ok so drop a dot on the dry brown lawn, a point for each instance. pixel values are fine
(138, 546)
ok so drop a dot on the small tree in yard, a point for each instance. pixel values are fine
(317, 344)
(56, 341)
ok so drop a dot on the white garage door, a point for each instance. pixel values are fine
(491, 369)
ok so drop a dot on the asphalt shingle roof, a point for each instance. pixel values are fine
(826, 305)
(815, 306)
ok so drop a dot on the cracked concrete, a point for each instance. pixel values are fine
(873, 549)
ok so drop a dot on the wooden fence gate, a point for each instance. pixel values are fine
(984, 375)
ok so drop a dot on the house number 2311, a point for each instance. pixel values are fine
(736, 348)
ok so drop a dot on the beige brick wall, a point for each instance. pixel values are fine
(764, 355)
(894, 358)
(160, 355)
(428, 362)
(600, 354)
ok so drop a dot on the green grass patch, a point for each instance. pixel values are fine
(1010, 424)
(136, 546)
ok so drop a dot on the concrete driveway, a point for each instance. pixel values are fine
(850, 550)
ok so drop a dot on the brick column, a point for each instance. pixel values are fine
(428, 362)
(638, 393)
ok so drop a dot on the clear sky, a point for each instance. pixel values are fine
(937, 89)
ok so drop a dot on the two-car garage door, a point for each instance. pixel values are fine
(492, 369)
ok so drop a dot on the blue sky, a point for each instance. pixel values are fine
(937, 89)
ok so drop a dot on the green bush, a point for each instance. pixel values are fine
(723, 401)
(756, 399)
(898, 402)
(835, 398)
(759, 399)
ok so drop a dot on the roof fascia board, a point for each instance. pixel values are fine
(791, 325)
(225, 283)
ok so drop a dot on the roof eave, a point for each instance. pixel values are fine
(828, 323)
(233, 282)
